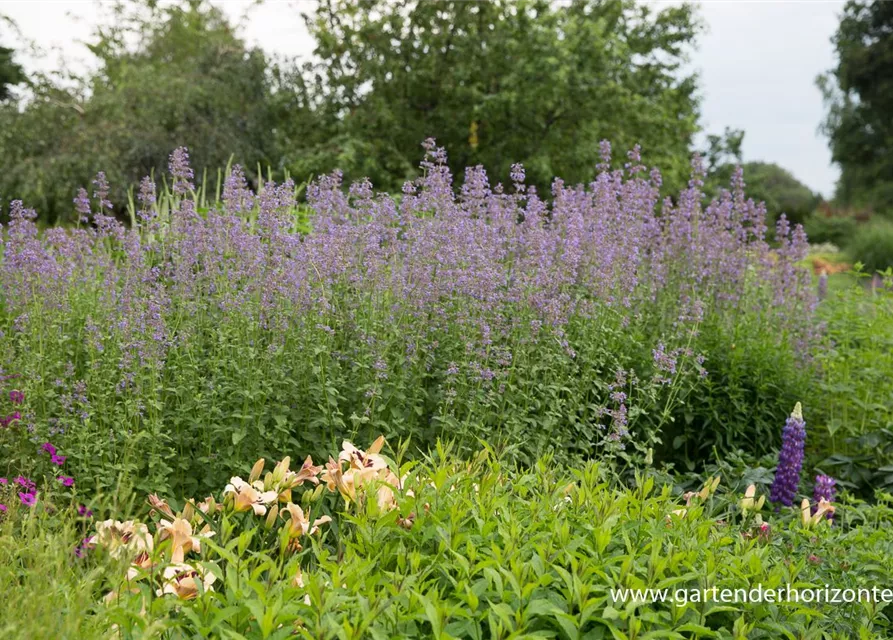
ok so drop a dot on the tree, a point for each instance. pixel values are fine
(859, 98)
(168, 76)
(10, 73)
(500, 82)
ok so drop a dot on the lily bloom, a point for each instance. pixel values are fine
(299, 523)
(823, 511)
(182, 580)
(182, 539)
(122, 539)
(246, 496)
(359, 459)
(160, 505)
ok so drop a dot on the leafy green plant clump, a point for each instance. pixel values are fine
(373, 547)
(872, 245)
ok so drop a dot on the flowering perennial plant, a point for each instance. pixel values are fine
(484, 310)
(790, 459)
(175, 558)
(825, 491)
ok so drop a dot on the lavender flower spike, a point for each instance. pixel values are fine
(790, 459)
(824, 490)
(181, 172)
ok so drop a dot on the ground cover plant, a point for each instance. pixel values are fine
(371, 546)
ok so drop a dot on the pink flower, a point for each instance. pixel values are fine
(28, 499)
(49, 448)
(4, 481)
(5, 422)
(2, 508)
(22, 481)
(67, 481)
(16, 396)
(84, 511)
(58, 460)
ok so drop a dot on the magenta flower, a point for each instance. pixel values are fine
(49, 448)
(8, 420)
(85, 545)
(84, 511)
(4, 481)
(58, 460)
(2, 508)
(22, 481)
(67, 481)
(16, 396)
(28, 499)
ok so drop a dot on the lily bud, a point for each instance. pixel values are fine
(256, 470)
(271, 517)
(281, 469)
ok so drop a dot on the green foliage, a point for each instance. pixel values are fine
(168, 75)
(834, 229)
(872, 245)
(742, 401)
(10, 73)
(854, 399)
(501, 82)
(489, 551)
(859, 97)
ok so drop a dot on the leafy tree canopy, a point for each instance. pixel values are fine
(859, 97)
(168, 76)
(500, 82)
(10, 73)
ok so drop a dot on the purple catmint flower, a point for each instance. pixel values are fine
(82, 205)
(16, 396)
(825, 489)
(147, 199)
(790, 459)
(181, 172)
(102, 191)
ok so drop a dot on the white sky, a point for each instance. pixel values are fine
(758, 64)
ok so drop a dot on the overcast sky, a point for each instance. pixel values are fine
(758, 63)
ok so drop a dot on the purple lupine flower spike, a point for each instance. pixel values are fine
(790, 459)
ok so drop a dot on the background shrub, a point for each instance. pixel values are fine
(834, 229)
(872, 245)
